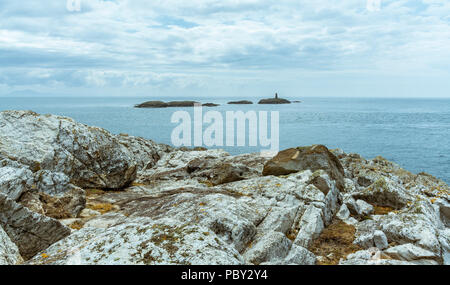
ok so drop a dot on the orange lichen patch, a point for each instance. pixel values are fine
(94, 192)
(103, 208)
(291, 235)
(382, 210)
(77, 225)
(44, 255)
(334, 243)
(202, 204)
(207, 183)
(135, 184)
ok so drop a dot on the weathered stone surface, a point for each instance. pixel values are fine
(67, 205)
(311, 226)
(385, 192)
(142, 241)
(364, 208)
(88, 156)
(343, 213)
(271, 246)
(410, 228)
(300, 256)
(30, 231)
(145, 153)
(316, 157)
(380, 240)
(410, 252)
(89, 213)
(9, 253)
(216, 172)
(15, 181)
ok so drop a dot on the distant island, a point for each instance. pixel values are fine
(161, 104)
(275, 100)
(243, 102)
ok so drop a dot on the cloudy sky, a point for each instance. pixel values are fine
(226, 47)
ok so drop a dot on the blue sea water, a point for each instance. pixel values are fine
(414, 133)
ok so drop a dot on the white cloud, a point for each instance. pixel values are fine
(135, 42)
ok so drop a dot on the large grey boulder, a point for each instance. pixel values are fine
(315, 157)
(30, 231)
(53, 145)
(145, 153)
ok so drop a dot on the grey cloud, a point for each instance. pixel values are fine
(123, 43)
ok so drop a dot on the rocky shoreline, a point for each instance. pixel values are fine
(76, 194)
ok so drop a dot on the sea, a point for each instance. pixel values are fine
(415, 133)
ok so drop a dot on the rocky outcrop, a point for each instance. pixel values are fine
(142, 241)
(30, 231)
(52, 152)
(145, 153)
(307, 205)
(316, 157)
(274, 101)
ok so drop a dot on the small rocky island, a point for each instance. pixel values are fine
(161, 104)
(241, 102)
(274, 100)
(76, 194)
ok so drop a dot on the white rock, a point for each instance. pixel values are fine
(105, 221)
(88, 156)
(15, 181)
(311, 226)
(343, 213)
(142, 241)
(410, 252)
(410, 227)
(271, 246)
(279, 220)
(364, 208)
(9, 253)
(380, 240)
(89, 213)
(300, 256)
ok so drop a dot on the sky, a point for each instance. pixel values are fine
(248, 48)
